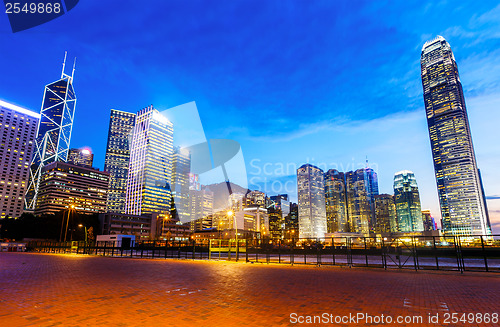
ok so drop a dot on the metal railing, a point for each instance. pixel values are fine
(458, 253)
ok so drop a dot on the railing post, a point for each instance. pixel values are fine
(279, 250)
(333, 251)
(237, 250)
(415, 258)
(435, 251)
(484, 254)
(384, 259)
(292, 253)
(366, 252)
(246, 250)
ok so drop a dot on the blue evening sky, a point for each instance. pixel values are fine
(329, 82)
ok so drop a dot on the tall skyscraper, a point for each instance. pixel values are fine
(150, 168)
(385, 214)
(121, 125)
(181, 168)
(429, 222)
(54, 129)
(17, 141)
(311, 195)
(335, 197)
(407, 199)
(81, 157)
(359, 201)
(458, 181)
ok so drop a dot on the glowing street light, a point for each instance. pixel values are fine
(80, 225)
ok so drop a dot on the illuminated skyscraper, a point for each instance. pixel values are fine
(407, 199)
(458, 181)
(429, 222)
(180, 184)
(335, 197)
(385, 214)
(81, 157)
(150, 168)
(121, 125)
(359, 201)
(54, 129)
(17, 141)
(311, 194)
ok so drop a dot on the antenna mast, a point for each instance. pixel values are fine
(64, 63)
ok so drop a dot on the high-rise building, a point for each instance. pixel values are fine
(253, 198)
(292, 222)
(201, 203)
(372, 191)
(121, 125)
(181, 167)
(17, 141)
(63, 185)
(335, 197)
(458, 181)
(276, 222)
(281, 202)
(81, 157)
(385, 214)
(359, 201)
(407, 199)
(54, 130)
(429, 222)
(311, 195)
(150, 168)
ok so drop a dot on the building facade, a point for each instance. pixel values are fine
(54, 130)
(335, 198)
(63, 186)
(150, 168)
(121, 125)
(385, 214)
(311, 196)
(459, 187)
(181, 169)
(407, 200)
(359, 202)
(81, 157)
(17, 141)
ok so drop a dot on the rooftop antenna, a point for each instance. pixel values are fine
(64, 64)
(366, 161)
(73, 72)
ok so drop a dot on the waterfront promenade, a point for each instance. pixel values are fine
(79, 290)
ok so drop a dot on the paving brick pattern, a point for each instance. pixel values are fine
(77, 290)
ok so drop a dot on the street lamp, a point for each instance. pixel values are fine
(230, 214)
(67, 223)
(80, 225)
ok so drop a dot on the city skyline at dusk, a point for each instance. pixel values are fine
(339, 128)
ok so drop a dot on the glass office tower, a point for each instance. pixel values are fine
(407, 199)
(54, 130)
(459, 187)
(335, 197)
(17, 137)
(121, 125)
(359, 201)
(311, 194)
(150, 168)
(181, 168)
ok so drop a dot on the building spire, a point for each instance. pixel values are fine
(73, 72)
(64, 64)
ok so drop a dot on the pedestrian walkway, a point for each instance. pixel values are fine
(79, 290)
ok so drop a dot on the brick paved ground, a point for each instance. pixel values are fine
(70, 290)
